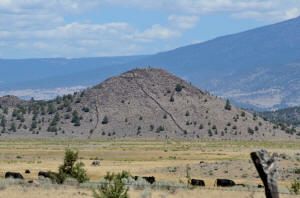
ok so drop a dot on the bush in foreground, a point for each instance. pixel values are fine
(295, 187)
(114, 188)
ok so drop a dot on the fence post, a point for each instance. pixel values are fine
(267, 170)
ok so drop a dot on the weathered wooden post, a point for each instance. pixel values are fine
(267, 170)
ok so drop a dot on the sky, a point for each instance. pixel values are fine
(90, 28)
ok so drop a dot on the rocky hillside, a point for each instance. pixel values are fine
(287, 116)
(139, 103)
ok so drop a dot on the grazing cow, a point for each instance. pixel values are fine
(96, 163)
(197, 182)
(13, 175)
(224, 183)
(150, 180)
(260, 186)
(27, 171)
(44, 174)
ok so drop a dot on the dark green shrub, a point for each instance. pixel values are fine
(85, 109)
(250, 131)
(201, 126)
(187, 113)
(105, 120)
(71, 169)
(172, 99)
(13, 127)
(151, 127)
(159, 129)
(243, 114)
(227, 105)
(75, 118)
(178, 88)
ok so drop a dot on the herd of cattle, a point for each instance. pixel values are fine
(150, 180)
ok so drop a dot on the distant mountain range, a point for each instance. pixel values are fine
(257, 69)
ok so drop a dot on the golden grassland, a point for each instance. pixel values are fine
(145, 158)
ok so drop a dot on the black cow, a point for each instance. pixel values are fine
(197, 182)
(44, 174)
(224, 183)
(150, 180)
(27, 171)
(13, 175)
(260, 186)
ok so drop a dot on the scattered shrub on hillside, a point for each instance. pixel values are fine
(13, 127)
(159, 129)
(172, 99)
(151, 127)
(250, 131)
(78, 100)
(105, 120)
(139, 130)
(75, 118)
(201, 126)
(178, 88)
(254, 116)
(51, 108)
(33, 125)
(210, 133)
(3, 122)
(85, 109)
(5, 110)
(187, 113)
(243, 114)
(227, 105)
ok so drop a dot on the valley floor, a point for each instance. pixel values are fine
(166, 160)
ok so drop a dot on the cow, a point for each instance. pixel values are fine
(260, 186)
(13, 175)
(197, 182)
(150, 180)
(44, 174)
(224, 183)
(27, 171)
(53, 176)
(96, 163)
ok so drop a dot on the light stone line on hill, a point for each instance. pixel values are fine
(155, 101)
(97, 116)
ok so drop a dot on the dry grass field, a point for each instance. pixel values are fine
(166, 160)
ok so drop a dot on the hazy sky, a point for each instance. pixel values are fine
(85, 28)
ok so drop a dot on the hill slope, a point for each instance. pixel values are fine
(290, 116)
(139, 103)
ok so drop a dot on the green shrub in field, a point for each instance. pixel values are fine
(114, 188)
(70, 169)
